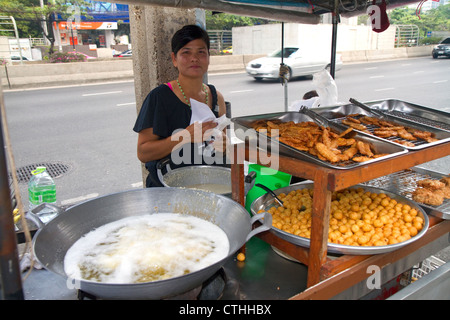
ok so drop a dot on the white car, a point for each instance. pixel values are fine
(299, 63)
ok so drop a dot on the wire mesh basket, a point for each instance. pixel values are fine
(425, 267)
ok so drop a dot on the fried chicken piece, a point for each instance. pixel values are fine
(402, 133)
(364, 148)
(446, 192)
(343, 133)
(446, 181)
(369, 121)
(431, 184)
(430, 139)
(361, 159)
(356, 126)
(424, 135)
(348, 154)
(273, 124)
(326, 137)
(385, 133)
(427, 196)
(351, 119)
(326, 152)
(383, 123)
(295, 143)
(379, 155)
(405, 143)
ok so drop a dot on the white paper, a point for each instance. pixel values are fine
(201, 112)
(313, 102)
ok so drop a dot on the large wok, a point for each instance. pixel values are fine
(51, 243)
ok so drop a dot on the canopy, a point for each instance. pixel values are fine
(299, 11)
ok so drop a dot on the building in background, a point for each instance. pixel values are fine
(106, 27)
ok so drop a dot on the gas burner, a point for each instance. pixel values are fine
(211, 289)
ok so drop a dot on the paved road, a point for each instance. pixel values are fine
(89, 128)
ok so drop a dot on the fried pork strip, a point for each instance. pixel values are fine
(319, 141)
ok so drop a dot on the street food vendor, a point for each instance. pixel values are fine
(166, 124)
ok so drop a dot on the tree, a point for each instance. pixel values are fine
(225, 21)
(30, 15)
(437, 19)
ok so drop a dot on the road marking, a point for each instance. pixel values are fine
(371, 68)
(137, 185)
(125, 104)
(440, 81)
(375, 77)
(240, 91)
(384, 89)
(79, 199)
(420, 71)
(100, 93)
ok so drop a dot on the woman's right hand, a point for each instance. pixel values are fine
(199, 131)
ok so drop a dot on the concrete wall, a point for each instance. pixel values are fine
(32, 74)
(29, 75)
(264, 39)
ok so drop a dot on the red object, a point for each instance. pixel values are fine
(379, 18)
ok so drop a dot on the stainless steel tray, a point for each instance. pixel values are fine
(406, 110)
(405, 182)
(338, 113)
(266, 201)
(243, 130)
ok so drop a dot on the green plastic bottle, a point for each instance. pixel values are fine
(42, 189)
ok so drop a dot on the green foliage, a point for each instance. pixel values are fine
(225, 21)
(437, 19)
(29, 15)
(63, 57)
(429, 40)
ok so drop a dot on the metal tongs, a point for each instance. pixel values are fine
(320, 120)
(324, 122)
(377, 113)
(273, 194)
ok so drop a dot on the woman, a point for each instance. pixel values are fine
(163, 123)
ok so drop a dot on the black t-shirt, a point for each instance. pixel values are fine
(165, 113)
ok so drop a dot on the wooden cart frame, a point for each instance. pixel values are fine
(352, 269)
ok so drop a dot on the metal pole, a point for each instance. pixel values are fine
(17, 38)
(10, 278)
(282, 63)
(335, 21)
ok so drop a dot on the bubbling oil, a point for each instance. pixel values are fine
(146, 248)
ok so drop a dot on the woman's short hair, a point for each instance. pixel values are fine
(186, 35)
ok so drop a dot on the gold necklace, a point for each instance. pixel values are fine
(187, 101)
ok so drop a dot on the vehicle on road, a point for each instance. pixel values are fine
(298, 62)
(126, 53)
(442, 49)
(228, 50)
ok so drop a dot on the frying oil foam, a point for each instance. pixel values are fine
(146, 248)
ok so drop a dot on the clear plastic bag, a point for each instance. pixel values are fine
(326, 88)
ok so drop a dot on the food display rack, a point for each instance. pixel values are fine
(352, 269)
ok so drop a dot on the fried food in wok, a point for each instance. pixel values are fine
(318, 141)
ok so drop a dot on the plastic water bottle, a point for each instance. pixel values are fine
(42, 189)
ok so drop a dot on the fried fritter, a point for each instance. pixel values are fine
(427, 196)
(431, 184)
(446, 181)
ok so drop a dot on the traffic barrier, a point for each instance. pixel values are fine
(32, 74)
